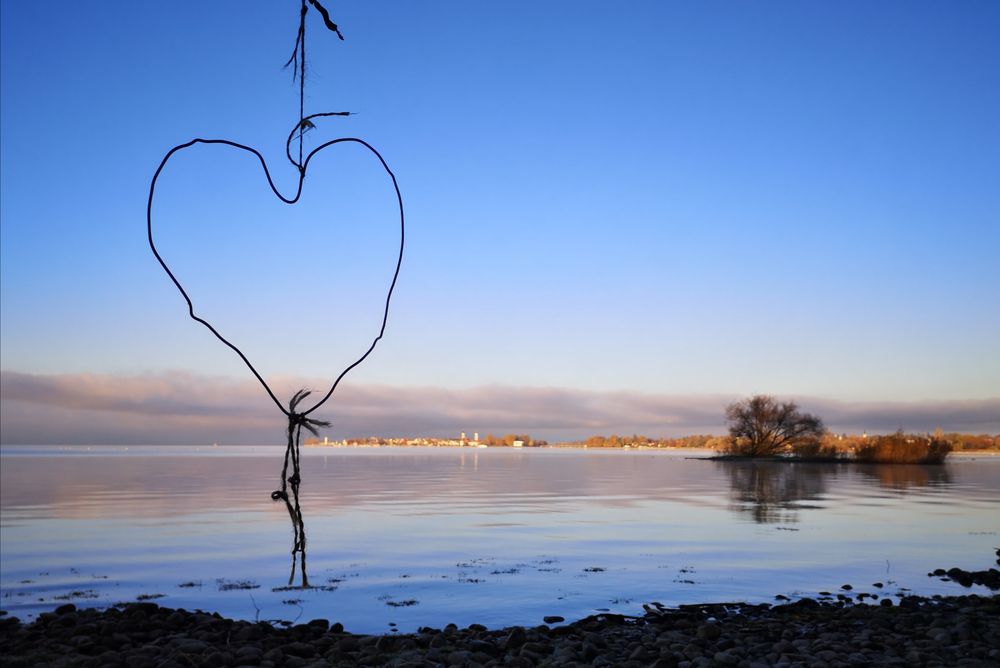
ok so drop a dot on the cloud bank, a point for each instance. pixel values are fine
(186, 408)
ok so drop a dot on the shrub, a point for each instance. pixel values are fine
(817, 450)
(900, 448)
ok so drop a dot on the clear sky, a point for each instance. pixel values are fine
(680, 199)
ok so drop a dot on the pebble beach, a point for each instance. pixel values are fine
(939, 631)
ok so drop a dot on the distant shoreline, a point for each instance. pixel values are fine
(578, 446)
(8, 449)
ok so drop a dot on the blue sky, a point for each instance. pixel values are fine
(679, 198)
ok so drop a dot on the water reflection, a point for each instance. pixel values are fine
(552, 531)
(906, 476)
(771, 492)
(298, 524)
(774, 492)
(296, 422)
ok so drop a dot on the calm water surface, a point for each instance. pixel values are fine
(426, 536)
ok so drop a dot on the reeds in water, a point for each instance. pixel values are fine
(900, 448)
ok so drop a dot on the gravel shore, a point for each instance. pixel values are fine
(952, 631)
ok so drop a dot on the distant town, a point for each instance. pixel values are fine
(959, 442)
(523, 441)
(463, 440)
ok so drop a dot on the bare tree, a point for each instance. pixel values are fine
(761, 426)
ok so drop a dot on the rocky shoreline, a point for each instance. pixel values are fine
(939, 631)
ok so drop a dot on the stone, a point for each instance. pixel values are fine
(482, 646)
(665, 662)
(189, 646)
(515, 638)
(518, 662)
(459, 658)
(320, 624)
(219, 659)
(274, 655)
(639, 653)
(725, 659)
(709, 631)
(537, 648)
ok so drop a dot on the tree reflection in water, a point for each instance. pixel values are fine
(773, 492)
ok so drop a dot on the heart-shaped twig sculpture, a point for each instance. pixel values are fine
(286, 200)
(297, 419)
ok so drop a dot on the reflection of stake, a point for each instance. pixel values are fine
(296, 421)
(298, 534)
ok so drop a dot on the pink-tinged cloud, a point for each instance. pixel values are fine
(186, 408)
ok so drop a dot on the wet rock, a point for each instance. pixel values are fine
(665, 662)
(349, 644)
(709, 631)
(515, 638)
(140, 661)
(459, 658)
(989, 578)
(191, 646)
(274, 655)
(301, 649)
(219, 659)
(482, 647)
(640, 653)
(538, 648)
(518, 662)
(319, 624)
(553, 619)
(145, 608)
(248, 654)
(726, 659)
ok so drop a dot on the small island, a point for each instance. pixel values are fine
(763, 428)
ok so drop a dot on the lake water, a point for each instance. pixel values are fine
(405, 537)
